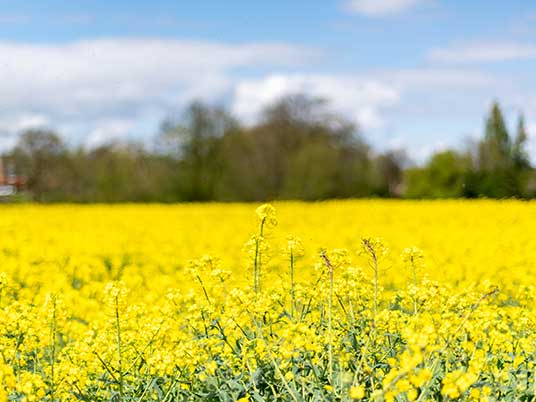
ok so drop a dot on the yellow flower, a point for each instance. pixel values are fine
(211, 367)
(266, 214)
(412, 394)
(475, 394)
(466, 380)
(518, 360)
(422, 377)
(190, 321)
(450, 390)
(357, 392)
(295, 246)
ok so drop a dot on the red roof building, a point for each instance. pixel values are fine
(8, 178)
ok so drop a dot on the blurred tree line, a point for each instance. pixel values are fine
(497, 166)
(298, 149)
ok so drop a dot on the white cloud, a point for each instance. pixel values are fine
(22, 121)
(359, 98)
(97, 90)
(10, 124)
(108, 131)
(424, 152)
(380, 8)
(7, 142)
(483, 52)
(123, 79)
(366, 99)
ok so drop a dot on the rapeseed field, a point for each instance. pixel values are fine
(334, 301)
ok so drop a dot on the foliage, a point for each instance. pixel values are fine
(497, 167)
(443, 177)
(299, 149)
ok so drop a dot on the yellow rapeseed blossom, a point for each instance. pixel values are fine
(159, 303)
(357, 392)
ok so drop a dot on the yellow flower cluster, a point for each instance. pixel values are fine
(341, 300)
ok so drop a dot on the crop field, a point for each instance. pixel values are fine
(334, 301)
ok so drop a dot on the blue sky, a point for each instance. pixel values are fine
(419, 74)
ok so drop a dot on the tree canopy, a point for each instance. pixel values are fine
(298, 149)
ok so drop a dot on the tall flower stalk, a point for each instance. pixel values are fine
(119, 354)
(413, 257)
(258, 257)
(115, 299)
(294, 251)
(330, 313)
(53, 336)
(267, 221)
(375, 249)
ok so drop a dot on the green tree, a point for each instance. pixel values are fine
(388, 173)
(40, 155)
(444, 176)
(196, 142)
(519, 154)
(502, 168)
(298, 149)
(495, 148)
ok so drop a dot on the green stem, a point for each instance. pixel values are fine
(415, 285)
(204, 289)
(329, 323)
(53, 349)
(376, 285)
(257, 261)
(255, 267)
(120, 362)
(330, 308)
(292, 283)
